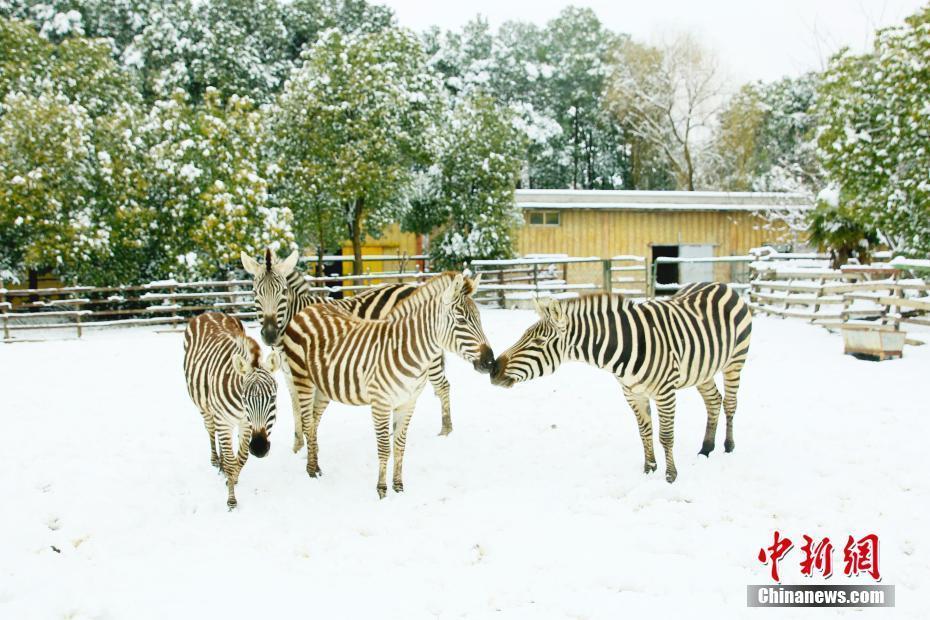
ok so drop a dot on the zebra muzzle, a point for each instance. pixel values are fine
(485, 361)
(259, 444)
(497, 373)
(270, 331)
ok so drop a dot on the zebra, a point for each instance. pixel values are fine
(653, 349)
(281, 292)
(232, 389)
(383, 363)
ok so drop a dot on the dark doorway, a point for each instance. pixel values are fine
(334, 269)
(666, 273)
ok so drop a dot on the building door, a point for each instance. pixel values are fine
(666, 273)
(696, 272)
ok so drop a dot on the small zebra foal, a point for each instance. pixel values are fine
(382, 363)
(653, 349)
(232, 389)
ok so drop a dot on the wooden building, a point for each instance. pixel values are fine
(653, 223)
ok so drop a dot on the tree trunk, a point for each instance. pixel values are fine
(320, 271)
(689, 168)
(357, 265)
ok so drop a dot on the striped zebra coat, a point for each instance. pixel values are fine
(653, 348)
(281, 292)
(383, 363)
(233, 390)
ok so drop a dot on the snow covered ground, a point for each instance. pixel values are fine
(536, 505)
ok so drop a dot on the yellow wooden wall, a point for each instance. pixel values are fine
(604, 233)
(393, 241)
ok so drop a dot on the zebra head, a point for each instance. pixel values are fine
(460, 328)
(271, 292)
(539, 352)
(259, 398)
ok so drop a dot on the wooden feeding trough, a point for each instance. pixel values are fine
(873, 342)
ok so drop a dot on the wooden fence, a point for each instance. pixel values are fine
(883, 293)
(511, 281)
(78, 308)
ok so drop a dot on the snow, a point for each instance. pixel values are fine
(535, 506)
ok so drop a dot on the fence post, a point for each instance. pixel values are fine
(651, 279)
(6, 321)
(500, 291)
(536, 280)
(78, 323)
(606, 275)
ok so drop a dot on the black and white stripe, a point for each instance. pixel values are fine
(653, 348)
(232, 388)
(333, 355)
(281, 292)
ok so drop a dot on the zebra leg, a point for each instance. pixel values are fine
(640, 406)
(437, 377)
(306, 394)
(242, 454)
(381, 417)
(313, 448)
(229, 464)
(402, 417)
(712, 402)
(211, 433)
(730, 385)
(665, 404)
(295, 407)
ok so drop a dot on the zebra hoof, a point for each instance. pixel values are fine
(445, 431)
(398, 487)
(729, 446)
(231, 504)
(648, 468)
(707, 448)
(314, 473)
(382, 491)
(298, 443)
(670, 476)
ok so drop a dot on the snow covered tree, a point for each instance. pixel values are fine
(207, 183)
(350, 124)
(765, 138)
(470, 188)
(576, 50)
(78, 68)
(554, 80)
(668, 97)
(834, 227)
(237, 47)
(874, 130)
(47, 214)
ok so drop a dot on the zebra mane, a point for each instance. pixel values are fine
(430, 289)
(586, 295)
(248, 350)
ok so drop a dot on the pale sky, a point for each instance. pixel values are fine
(754, 39)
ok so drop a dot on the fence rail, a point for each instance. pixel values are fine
(788, 285)
(166, 302)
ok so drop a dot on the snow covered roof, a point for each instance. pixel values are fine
(622, 200)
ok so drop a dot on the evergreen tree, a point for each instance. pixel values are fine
(873, 133)
(351, 124)
(470, 188)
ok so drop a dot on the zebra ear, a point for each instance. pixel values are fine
(449, 295)
(285, 267)
(251, 266)
(272, 362)
(241, 364)
(475, 282)
(541, 306)
(556, 314)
